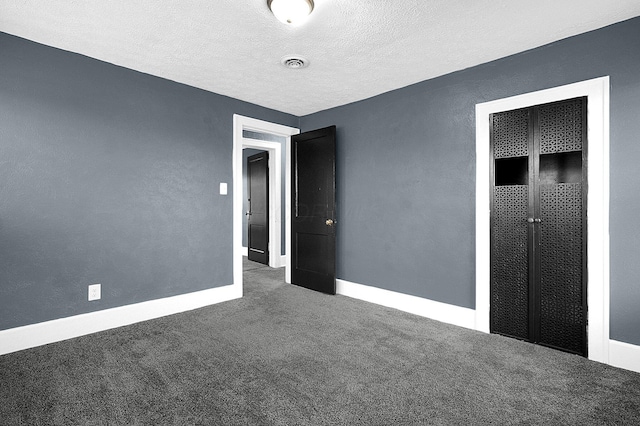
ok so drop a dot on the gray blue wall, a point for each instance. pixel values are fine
(406, 171)
(108, 176)
(111, 176)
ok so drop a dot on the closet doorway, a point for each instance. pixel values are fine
(597, 234)
(539, 223)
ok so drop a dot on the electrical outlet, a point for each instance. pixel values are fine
(94, 292)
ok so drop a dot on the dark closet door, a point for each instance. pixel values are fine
(313, 237)
(258, 214)
(538, 224)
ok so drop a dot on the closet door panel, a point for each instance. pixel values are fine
(561, 126)
(510, 295)
(562, 284)
(510, 261)
(562, 309)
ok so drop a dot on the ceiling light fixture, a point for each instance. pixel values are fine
(290, 11)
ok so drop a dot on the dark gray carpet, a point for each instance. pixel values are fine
(284, 355)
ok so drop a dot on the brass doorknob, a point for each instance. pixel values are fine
(329, 222)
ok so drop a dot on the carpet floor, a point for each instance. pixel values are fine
(284, 355)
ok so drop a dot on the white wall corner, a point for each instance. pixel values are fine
(624, 355)
(30, 336)
(450, 314)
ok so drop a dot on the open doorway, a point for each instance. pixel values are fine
(250, 133)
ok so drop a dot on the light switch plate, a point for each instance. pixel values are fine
(223, 188)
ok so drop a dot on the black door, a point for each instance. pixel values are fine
(538, 224)
(313, 234)
(258, 214)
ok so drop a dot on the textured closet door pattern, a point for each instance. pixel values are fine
(509, 236)
(538, 224)
(562, 199)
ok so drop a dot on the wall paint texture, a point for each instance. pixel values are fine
(109, 176)
(406, 171)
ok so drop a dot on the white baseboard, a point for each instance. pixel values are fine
(245, 251)
(624, 355)
(451, 314)
(30, 336)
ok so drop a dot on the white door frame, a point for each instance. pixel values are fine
(241, 123)
(597, 92)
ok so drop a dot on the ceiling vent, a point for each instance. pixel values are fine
(294, 62)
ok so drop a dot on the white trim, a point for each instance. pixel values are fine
(450, 314)
(287, 211)
(241, 123)
(245, 251)
(30, 336)
(624, 355)
(597, 91)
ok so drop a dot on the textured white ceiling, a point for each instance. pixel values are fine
(357, 48)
